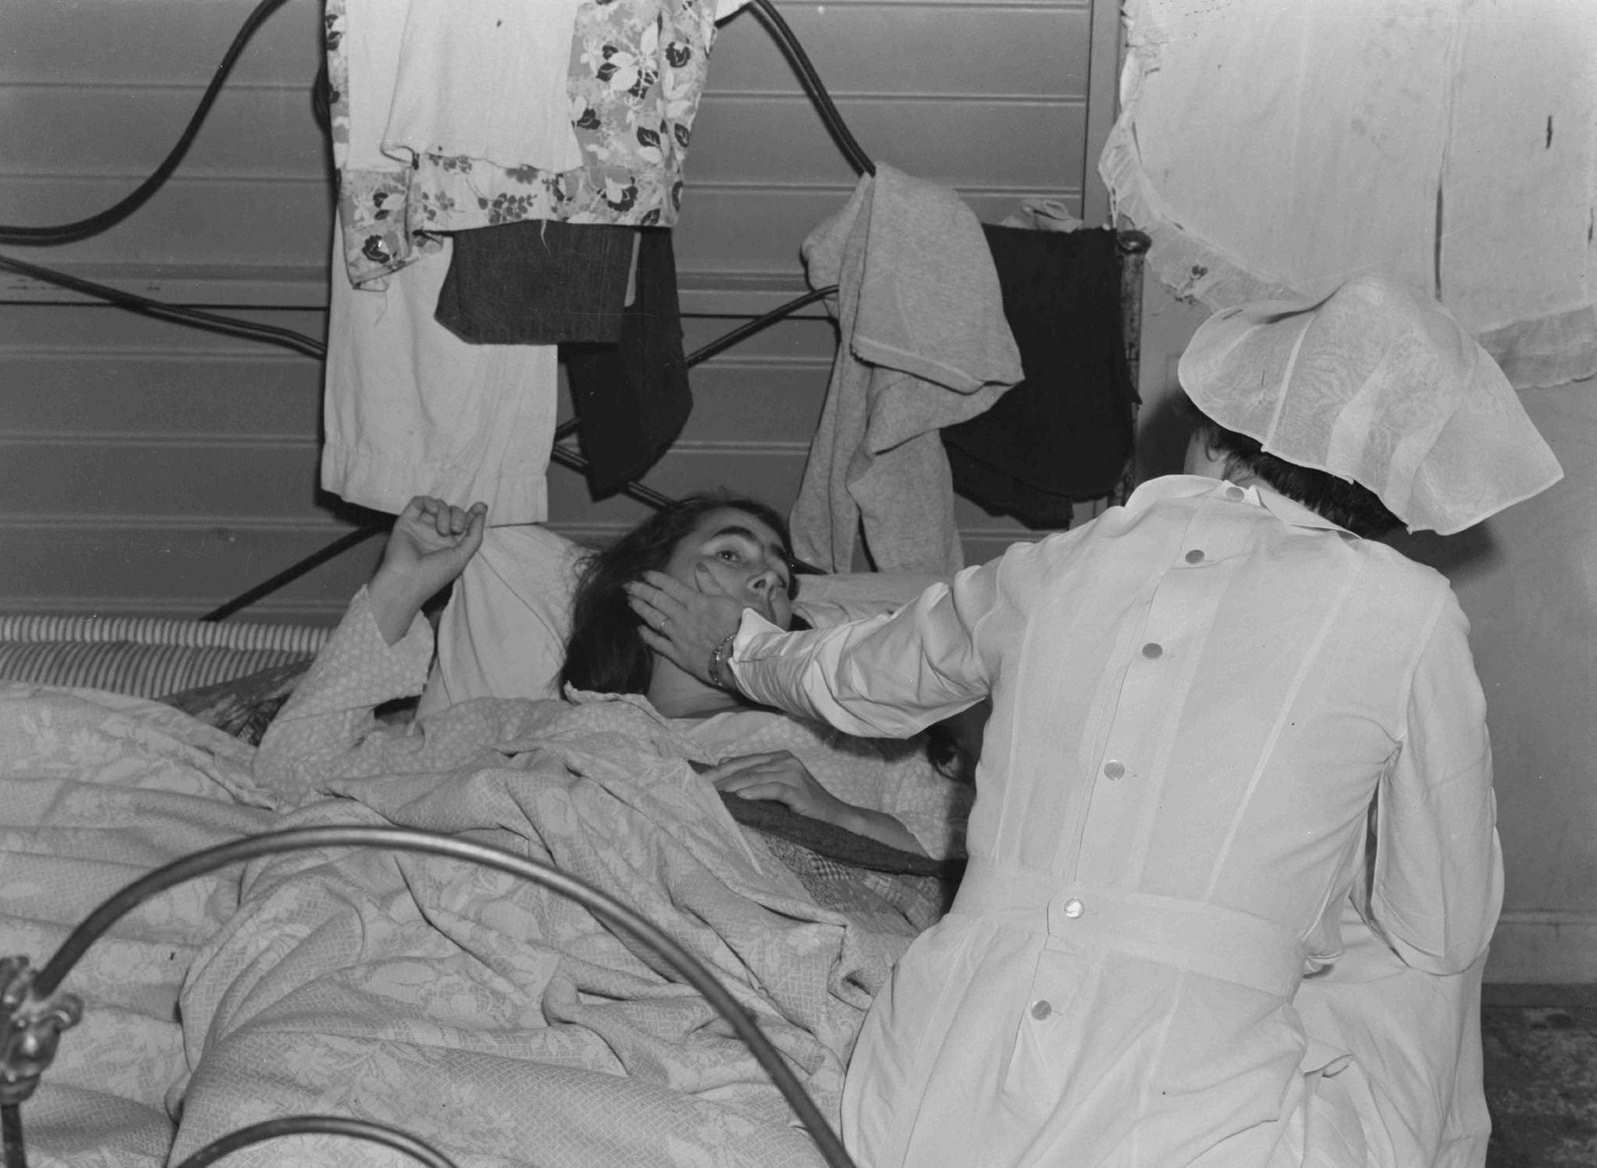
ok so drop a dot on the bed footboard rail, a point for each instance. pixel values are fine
(35, 1011)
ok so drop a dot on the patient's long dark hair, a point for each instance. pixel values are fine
(604, 652)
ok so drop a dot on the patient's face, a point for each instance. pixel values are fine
(743, 555)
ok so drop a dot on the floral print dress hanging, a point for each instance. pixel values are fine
(636, 74)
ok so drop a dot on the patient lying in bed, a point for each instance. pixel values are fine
(761, 755)
(507, 1024)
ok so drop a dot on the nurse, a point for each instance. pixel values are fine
(1220, 713)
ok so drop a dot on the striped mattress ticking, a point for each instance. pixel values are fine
(145, 656)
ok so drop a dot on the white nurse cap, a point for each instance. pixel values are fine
(1379, 385)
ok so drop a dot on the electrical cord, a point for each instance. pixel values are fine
(94, 224)
(765, 12)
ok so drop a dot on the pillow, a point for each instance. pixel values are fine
(503, 632)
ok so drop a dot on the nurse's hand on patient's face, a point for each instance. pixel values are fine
(682, 622)
(429, 546)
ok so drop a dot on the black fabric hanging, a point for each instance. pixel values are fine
(1064, 434)
(537, 282)
(632, 397)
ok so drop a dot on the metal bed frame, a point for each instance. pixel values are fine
(35, 1011)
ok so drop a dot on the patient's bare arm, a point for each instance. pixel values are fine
(429, 546)
(779, 776)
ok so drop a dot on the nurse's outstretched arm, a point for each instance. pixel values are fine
(892, 675)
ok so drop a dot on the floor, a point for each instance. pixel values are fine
(1541, 1075)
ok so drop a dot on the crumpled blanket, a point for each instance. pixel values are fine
(498, 1020)
(95, 791)
(503, 1022)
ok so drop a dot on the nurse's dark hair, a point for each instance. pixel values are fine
(605, 652)
(1344, 503)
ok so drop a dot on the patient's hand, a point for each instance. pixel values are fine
(429, 546)
(780, 777)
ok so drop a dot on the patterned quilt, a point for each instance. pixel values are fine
(499, 1021)
(96, 790)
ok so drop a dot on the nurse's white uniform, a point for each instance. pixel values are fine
(1216, 717)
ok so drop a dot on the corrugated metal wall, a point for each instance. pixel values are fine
(150, 468)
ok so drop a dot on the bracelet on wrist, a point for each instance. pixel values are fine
(719, 656)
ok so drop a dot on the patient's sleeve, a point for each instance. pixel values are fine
(331, 711)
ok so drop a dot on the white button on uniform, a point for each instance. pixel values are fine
(1074, 908)
(1041, 1009)
(1233, 493)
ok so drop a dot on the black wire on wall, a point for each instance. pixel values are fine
(64, 233)
(111, 216)
(178, 314)
(765, 12)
